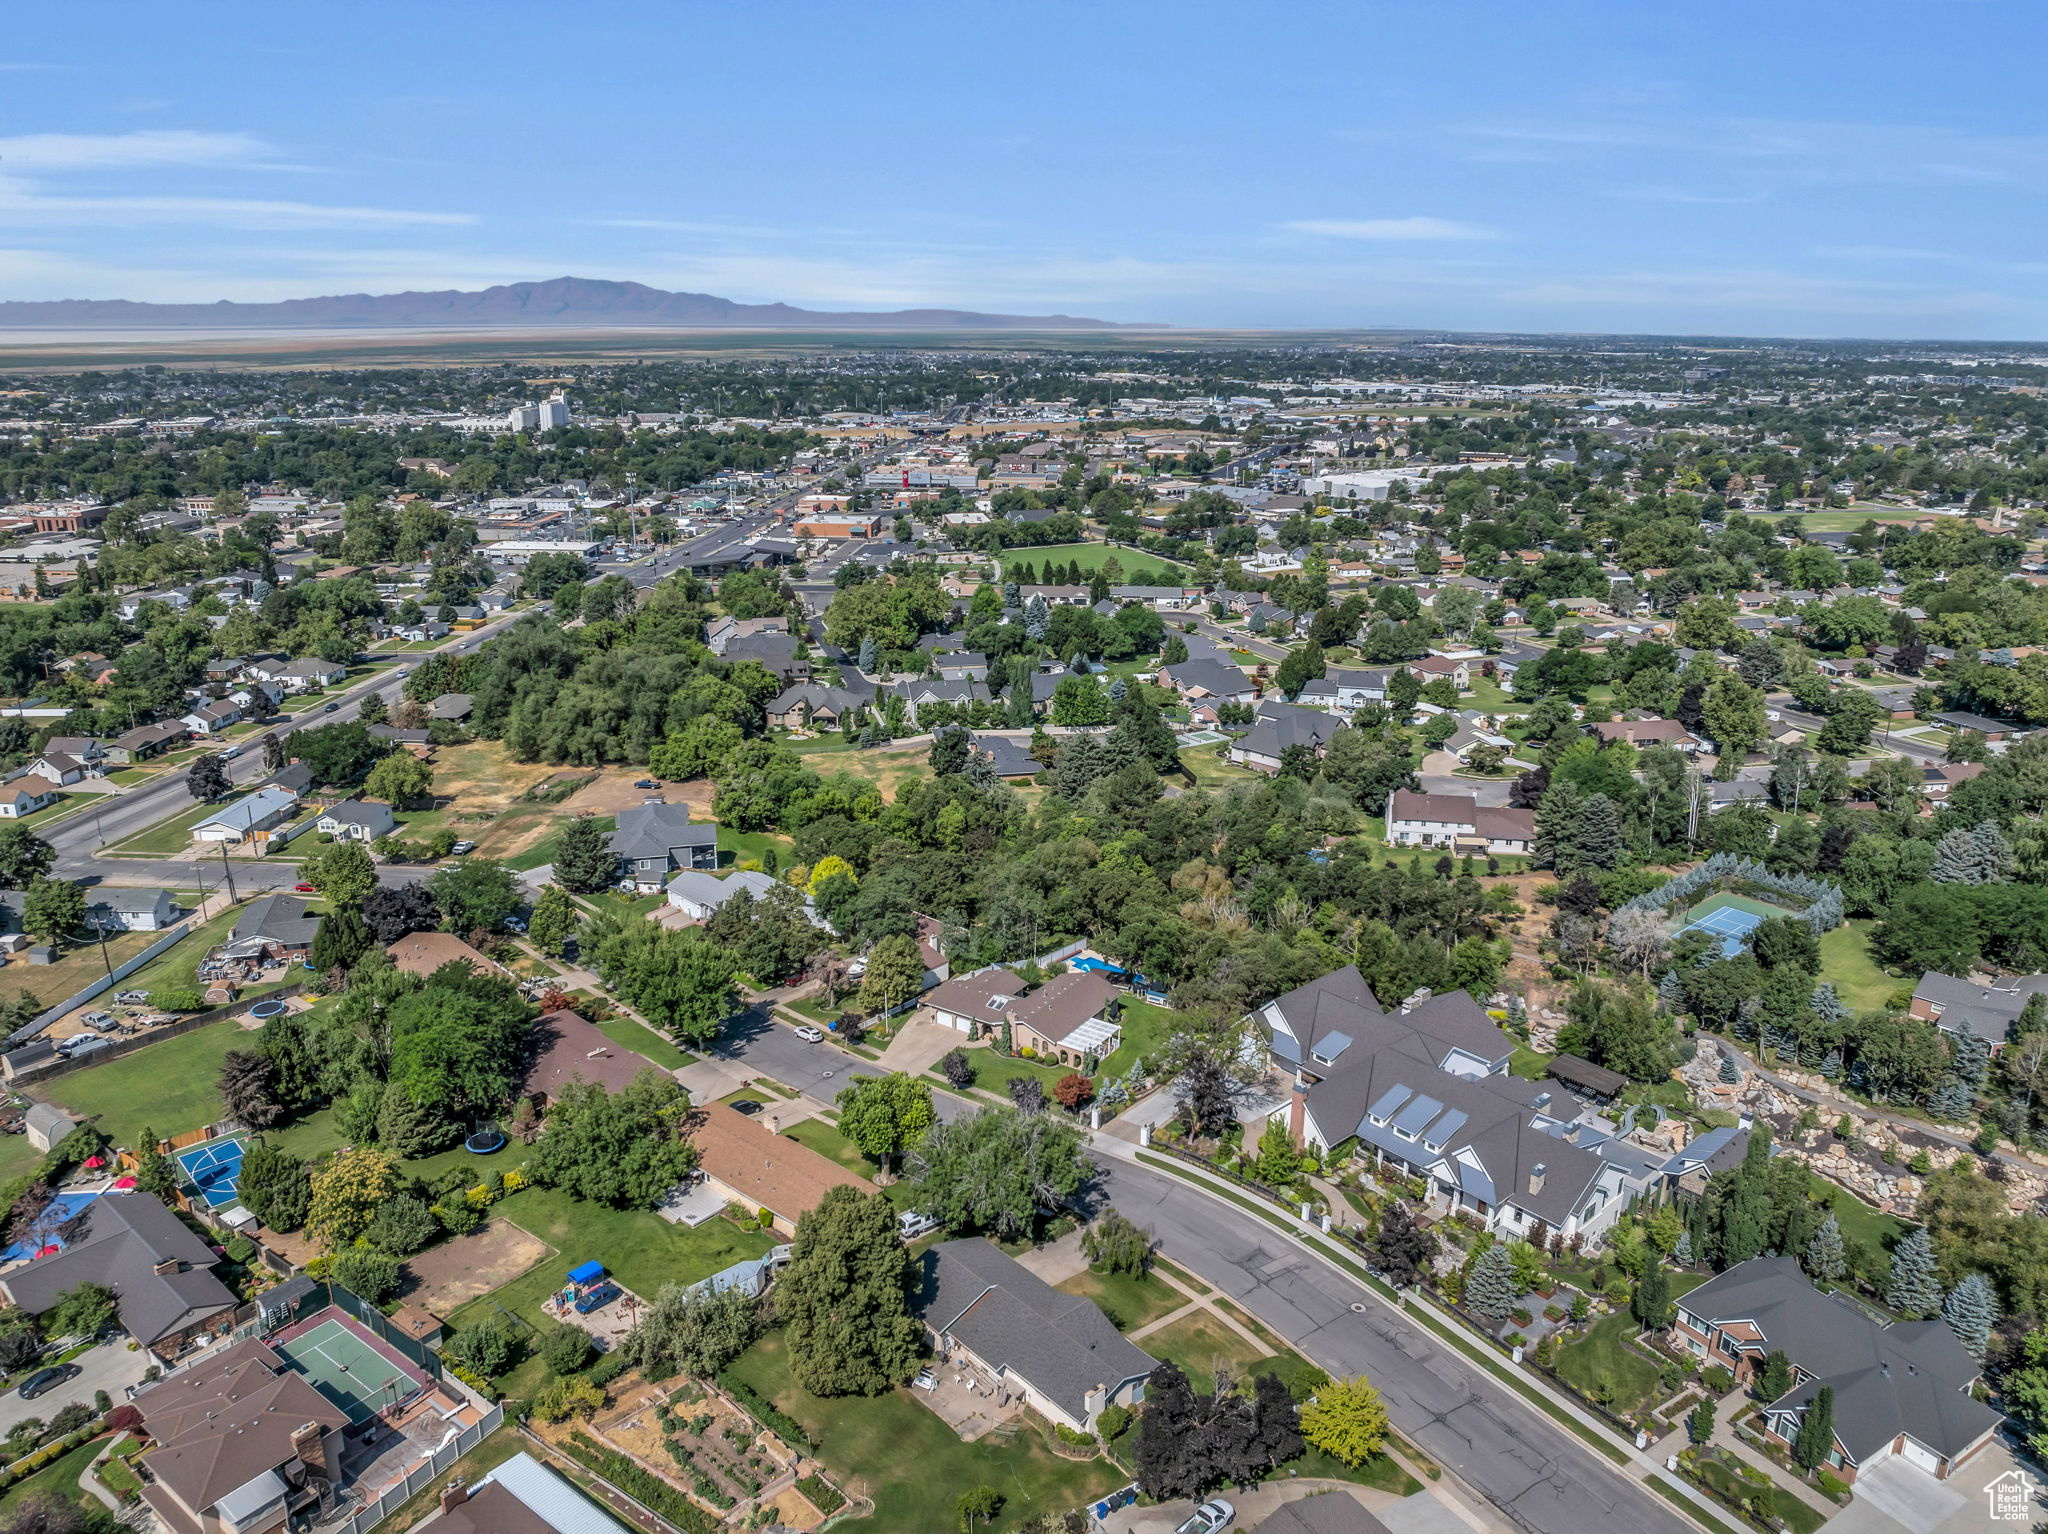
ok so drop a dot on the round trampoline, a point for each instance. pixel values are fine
(484, 1141)
(268, 1009)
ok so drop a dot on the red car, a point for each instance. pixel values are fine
(302, 889)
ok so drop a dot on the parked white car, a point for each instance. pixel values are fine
(810, 1035)
(1211, 1516)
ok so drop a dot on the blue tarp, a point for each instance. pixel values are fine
(590, 1272)
(1102, 966)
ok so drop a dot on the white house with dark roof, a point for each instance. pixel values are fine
(357, 820)
(1455, 822)
(655, 840)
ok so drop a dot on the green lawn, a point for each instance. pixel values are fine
(1140, 568)
(645, 1042)
(1859, 1221)
(1198, 1343)
(168, 838)
(314, 1135)
(914, 1467)
(642, 1250)
(1604, 1368)
(1845, 959)
(1146, 1028)
(170, 1087)
(1488, 695)
(1129, 1302)
(59, 1478)
(733, 846)
(1529, 1064)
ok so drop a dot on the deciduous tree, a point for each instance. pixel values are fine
(844, 1298)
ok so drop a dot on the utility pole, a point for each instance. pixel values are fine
(229, 873)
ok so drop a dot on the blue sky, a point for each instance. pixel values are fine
(1796, 168)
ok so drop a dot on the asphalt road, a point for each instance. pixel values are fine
(1521, 1460)
(820, 1070)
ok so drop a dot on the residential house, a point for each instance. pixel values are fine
(1058, 1351)
(1434, 668)
(655, 840)
(1645, 732)
(918, 692)
(212, 718)
(521, 1496)
(698, 894)
(745, 1161)
(563, 1047)
(165, 1293)
(1455, 822)
(1322, 1512)
(720, 632)
(422, 953)
(143, 742)
(23, 796)
(1902, 1389)
(240, 1443)
(1279, 728)
(778, 654)
(1067, 1019)
(300, 675)
(813, 705)
(82, 748)
(451, 706)
(1960, 1006)
(1207, 681)
(249, 819)
(1309, 1030)
(357, 820)
(277, 926)
(1990, 729)
(1937, 780)
(110, 908)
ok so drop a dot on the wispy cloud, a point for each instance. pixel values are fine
(24, 205)
(145, 149)
(1391, 229)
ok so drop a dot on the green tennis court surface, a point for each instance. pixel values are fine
(348, 1370)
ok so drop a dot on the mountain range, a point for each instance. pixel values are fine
(581, 302)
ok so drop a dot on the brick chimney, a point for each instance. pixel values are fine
(308, 1445)
(1536, 1176)
(1297, 1113)
(454, 1494)
(168, 1265)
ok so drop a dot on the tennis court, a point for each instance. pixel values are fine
(348, 1368)
(1731, 918)
(214, 1170)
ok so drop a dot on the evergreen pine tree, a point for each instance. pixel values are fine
(1826, 1004)
(1825, 1259)
(1599, 833)
(1518, 1015)
(1831, 1065)
(1491, 1290)
(1651, 1302)
(1557, 825)
(1971, 1310)
(1681, 1254)
(1914, 1289)
(866, 660)
(1729, 1074)
(1775, 1378)
(1949, 1099)
(1816, 1440)
(1671, 991)
(1969, 1058)
(1699, 1426)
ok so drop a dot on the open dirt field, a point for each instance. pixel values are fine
(452, 1274)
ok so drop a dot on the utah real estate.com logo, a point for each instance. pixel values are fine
(2010, 1496)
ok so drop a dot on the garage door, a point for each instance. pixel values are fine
(1921, 1456)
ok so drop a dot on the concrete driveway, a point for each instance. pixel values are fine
(1896, 1498)
(109, 1367)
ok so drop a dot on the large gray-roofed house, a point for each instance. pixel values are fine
(1326, 1512)
(1211, 679)
(1521, 1156)
(655, 840)
(1303, 1028)
(1058, 1350)
(161, 1273)
(1902, 1389)
(1280, 727)
(1959, 1006)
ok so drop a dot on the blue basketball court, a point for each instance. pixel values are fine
(214, 1170)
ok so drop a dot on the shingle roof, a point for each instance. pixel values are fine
(279, 919)
(766, 1167)
(126, 1236)
(655, 830)
(1010, 1318)
(1906, 1377)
